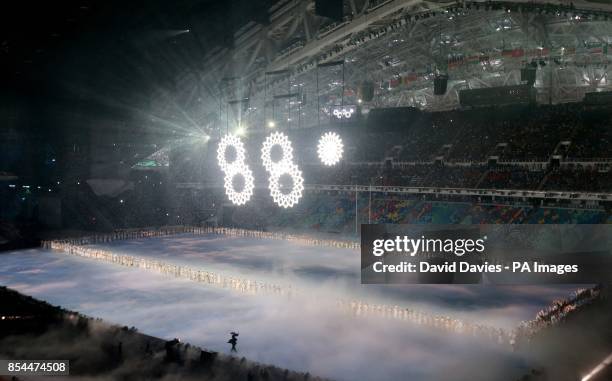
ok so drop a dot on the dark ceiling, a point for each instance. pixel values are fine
(113, 44)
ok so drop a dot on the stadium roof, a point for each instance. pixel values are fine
(174, 63)
(398, 46)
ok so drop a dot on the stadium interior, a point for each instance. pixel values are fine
(137, 137)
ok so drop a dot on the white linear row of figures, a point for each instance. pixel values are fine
(127, 234)
(184, 272)
(550, 316)
(78, 247)
(253, 287)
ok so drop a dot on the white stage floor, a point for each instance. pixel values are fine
(306, 332)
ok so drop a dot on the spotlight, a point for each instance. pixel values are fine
(271, 124)
(241, 130)
(330, 148)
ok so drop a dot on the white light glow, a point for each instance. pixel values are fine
(330, 148)
(605, 363)
(281, 140)
(292, 198)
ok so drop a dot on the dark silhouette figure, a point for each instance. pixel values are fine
(233, 341)
(207, 359)
(172, 353)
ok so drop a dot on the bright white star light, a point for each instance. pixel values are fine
(330, 148)
(239, 198)
(227, 141)
(281, 140)
(290, 199)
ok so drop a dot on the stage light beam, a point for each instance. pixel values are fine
(605, 363)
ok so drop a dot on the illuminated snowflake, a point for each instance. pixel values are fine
(281, 140)
(237, 167)
(330, 148)
(292, 198)
(239, 198)
(227, 141)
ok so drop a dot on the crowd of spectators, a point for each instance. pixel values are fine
(512, 147)
(592, 139)
(579, 179)
(512, 178)
(415, 211)
(457, 177)
(512, 136)
(524, 133)
(334, 212)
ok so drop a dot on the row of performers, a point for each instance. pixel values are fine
(128, 234)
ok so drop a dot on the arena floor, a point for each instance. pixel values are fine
(305, 332)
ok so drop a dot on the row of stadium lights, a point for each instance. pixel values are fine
(329, 149)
